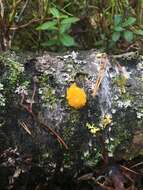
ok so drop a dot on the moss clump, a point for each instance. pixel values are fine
(127, 97)
(48, 95)
(121, 82)
(46, 92)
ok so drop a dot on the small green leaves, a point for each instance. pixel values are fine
(128, 35)
(55, 12)
(66, 23)
(59, 28)
(64, 27)
(50, 43)
(122, 29)
(69, 20)
(51, 25)
(67, 40)
(117, 20)
(129, 22)
(139, 32)
(118, 28)
(116, 36)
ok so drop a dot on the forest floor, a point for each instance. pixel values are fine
(19, 172)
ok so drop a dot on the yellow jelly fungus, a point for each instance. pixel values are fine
(76, 96)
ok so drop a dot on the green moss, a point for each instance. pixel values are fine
(91, 158)
(12, 71)
(68, 131)
(46, 91)
(43, 79)
(67, 161)
(127, 96)
(80, 77)
(74, 116)
(48, 95)
(121, 82)
(121, 138)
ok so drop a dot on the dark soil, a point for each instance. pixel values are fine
(21, 172)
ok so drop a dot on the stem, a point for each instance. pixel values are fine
(20, 15)
(33, 21)
(104, 150)
(139, 11)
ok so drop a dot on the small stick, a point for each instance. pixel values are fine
(29, 110)
(25, 128)
(33, 95)
(127, 169)
(136, 165)
(55, 134)
(104, 187)
(103, 64)
(32, 21)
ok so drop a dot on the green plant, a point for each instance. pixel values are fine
(11, 13)
(18, 14)
(124, 28)
(59, 28)
(18, 20)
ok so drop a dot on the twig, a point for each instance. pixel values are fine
(30, 110)
(55, 134)
(33, 95)
(20, 15)
(13, 12)
(28, 23)
(2, 9)
(104, 150)
(26, 107)
(128, 177)
(126, 55)
(136, 165)
(25, 128)
(127, 169)
(85, 177)
(22, 10)
(104, 187)
(103, 64)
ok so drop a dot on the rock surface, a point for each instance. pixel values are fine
(116, 112)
